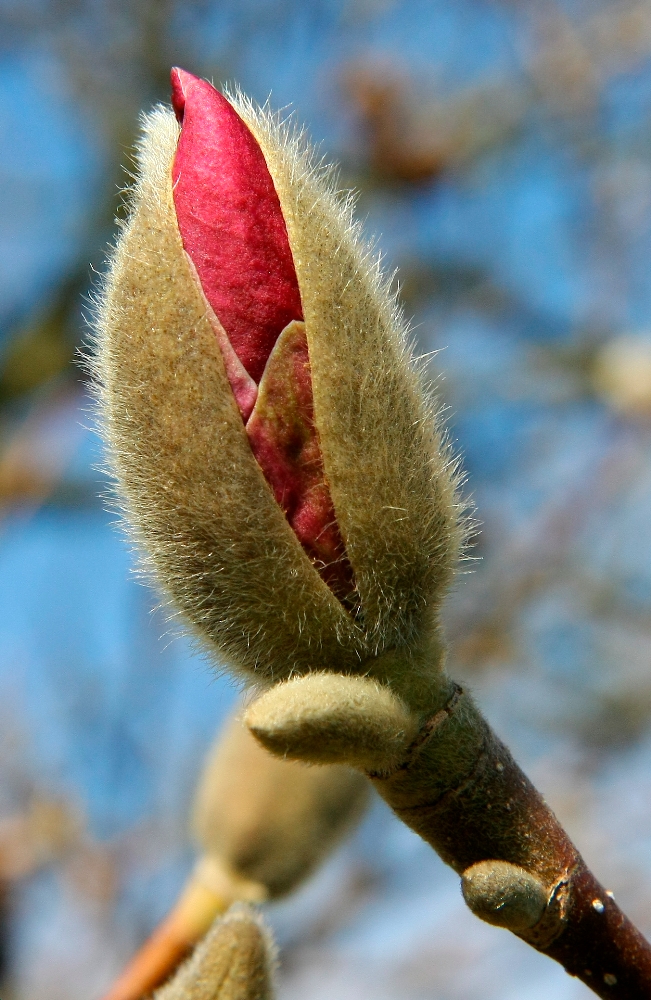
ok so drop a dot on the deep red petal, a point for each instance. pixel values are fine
(231, 222)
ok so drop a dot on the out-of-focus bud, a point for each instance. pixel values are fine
(235, 961)
(275, 449)
(266, 821)
(262, 826)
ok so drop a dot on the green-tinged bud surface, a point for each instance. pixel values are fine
(235, 961)
(329, 718)
(270, 821)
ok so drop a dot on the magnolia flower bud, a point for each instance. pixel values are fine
(275, 451)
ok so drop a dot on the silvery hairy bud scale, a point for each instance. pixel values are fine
(275, 451)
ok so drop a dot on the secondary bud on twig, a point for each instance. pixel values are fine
(328, 718)
(504, 894)
(275, 452)
(235, 961)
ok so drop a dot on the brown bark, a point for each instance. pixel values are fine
(461, 790)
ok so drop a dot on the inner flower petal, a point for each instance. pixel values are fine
(231, 222)
(285, 442)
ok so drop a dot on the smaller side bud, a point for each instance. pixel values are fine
(328, 718)
(504, 895)
(266, 824)
(235, 961)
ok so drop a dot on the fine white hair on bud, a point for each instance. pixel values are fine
(200, 507)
